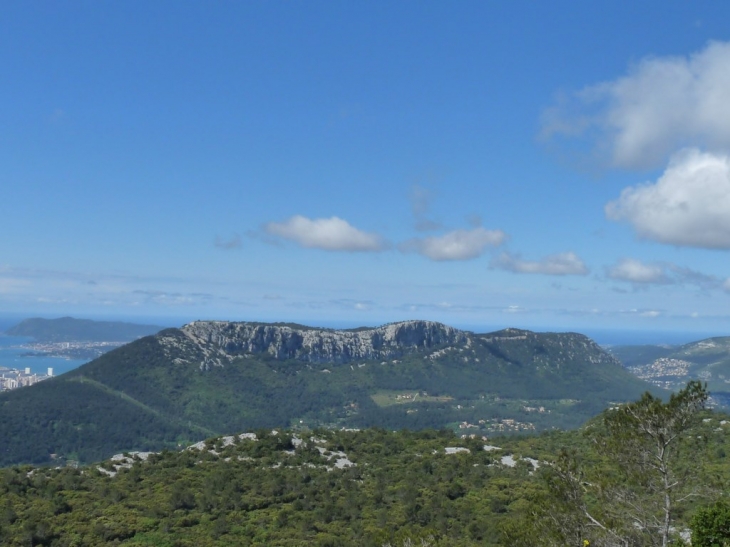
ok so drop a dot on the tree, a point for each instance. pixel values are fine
(711, 526)
(647, 439)
(638, 476)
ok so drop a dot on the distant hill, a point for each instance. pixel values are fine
(213, 377)
(68, 329)
(672, 366)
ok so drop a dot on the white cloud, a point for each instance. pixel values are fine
(456, 245)
(638, 273)
(329, 234)
(661, 104)
(556, 264)
(689, 205)
(635, 271)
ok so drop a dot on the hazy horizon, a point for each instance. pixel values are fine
(605, 337)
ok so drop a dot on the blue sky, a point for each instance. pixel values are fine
(561, 165)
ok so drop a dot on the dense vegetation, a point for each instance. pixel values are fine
(146, 396)
(68, 329)
(645, 466)
(286, 489)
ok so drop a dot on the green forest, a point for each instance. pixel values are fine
(147, 396)
(600, 485)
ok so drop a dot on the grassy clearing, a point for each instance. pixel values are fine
(389, 398)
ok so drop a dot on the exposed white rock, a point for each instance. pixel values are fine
(508, 460)
(219, 342)
(226, 441)
(124, 461)
(341, 463)
(131, 456)
(200, 445)
(511, 461)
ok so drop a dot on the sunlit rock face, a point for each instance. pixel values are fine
(224, 339)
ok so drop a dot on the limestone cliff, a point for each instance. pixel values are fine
(223, 340)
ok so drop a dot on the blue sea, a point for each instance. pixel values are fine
(11, 356)
(11, 350)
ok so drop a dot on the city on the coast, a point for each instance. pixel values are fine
(13, 378)
(71, 350)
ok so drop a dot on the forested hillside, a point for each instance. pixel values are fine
(340, 488)
(186, 384)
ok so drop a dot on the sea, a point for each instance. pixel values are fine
(11, 356)
(12, 350)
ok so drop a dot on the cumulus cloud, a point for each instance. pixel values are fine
(689, 205)
(556, 264)
(638, 273)
(456, 245)
(329, 234)
(635, 271)
(662, 103)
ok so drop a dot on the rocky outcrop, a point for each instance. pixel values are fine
(228, 339)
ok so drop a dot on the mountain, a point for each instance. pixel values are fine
(673, 366)
(68, 329)
(212, 377)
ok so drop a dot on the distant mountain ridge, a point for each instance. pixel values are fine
(225, 340)
(69, 329)
(212, 377)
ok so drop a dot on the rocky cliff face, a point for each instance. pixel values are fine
(222, 339)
